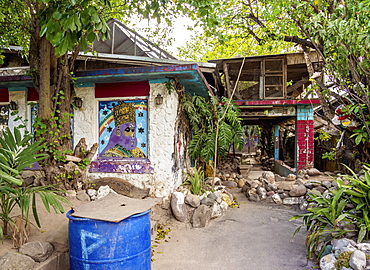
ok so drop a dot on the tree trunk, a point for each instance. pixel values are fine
(52, 80)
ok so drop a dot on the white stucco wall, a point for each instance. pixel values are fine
(161, 138)
(20, 97)
(85, 120)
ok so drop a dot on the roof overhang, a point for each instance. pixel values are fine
(190, 76)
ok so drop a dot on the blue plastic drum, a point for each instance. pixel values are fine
(96, 244)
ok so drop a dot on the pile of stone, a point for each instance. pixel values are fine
(343, 251)
(289, 190)
(199, 210)
(228, 165)
(35, 255)
(267, 163)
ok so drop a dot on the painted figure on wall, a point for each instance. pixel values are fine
(120, 130)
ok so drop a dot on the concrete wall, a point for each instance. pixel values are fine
(164, 142)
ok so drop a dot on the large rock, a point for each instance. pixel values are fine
(269, 176)
(279, 178)
(276, 198)
(38, 251)
(271, 187)
(230, 184)
(298, 191)
(241, 182)
(340, 243)
(286, 185)
(122, 187)
(201, 216)
(364, 247)
(328, 262)
(313, 172)
(358, 260)
(216, 211)
(291, 201)
(208, 201)
(262, 193)
(219, 196)
(192, 200)
(15, 261)
(224, 206)
(255, 184)
(290, 177)
(103, 191)
(178, 206)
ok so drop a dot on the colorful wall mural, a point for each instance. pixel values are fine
(123, 137)
(123, 129)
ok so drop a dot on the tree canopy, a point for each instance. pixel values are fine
(338, 30)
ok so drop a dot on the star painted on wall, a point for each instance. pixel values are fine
(105, 112)
(143, 145)
(140, 114)
(141, 130)
(109, 129)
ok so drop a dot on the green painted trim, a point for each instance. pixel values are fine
(85, 84)
(158, 81)
(11, 89)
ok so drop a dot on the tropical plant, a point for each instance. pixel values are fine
(327, 216)
(196, 181)
(322, 220)
(205, 116)
(16, 154)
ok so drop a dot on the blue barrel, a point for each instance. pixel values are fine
(96, 244)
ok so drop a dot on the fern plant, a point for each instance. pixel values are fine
(205, 117)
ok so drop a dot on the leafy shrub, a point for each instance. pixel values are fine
(196, 181)
(327, 217)
(16, 154)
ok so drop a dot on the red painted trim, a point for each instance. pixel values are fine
(124, 89)
(32, 94)
(4, 95)
(278, 102)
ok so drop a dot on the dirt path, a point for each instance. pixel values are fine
(256, 236)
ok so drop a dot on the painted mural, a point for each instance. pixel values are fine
(123, 129)
(123, 137)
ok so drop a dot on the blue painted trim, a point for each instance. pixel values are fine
(305, 113)
(158, 81)
(10, 89)
(276, 145)
(85, 84)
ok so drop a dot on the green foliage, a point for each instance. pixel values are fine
(337, 30)
(323, 136)
(16, 154)
(204, 118)
(67, 23)
(328, 216)
(330, 155)
(196, 181)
